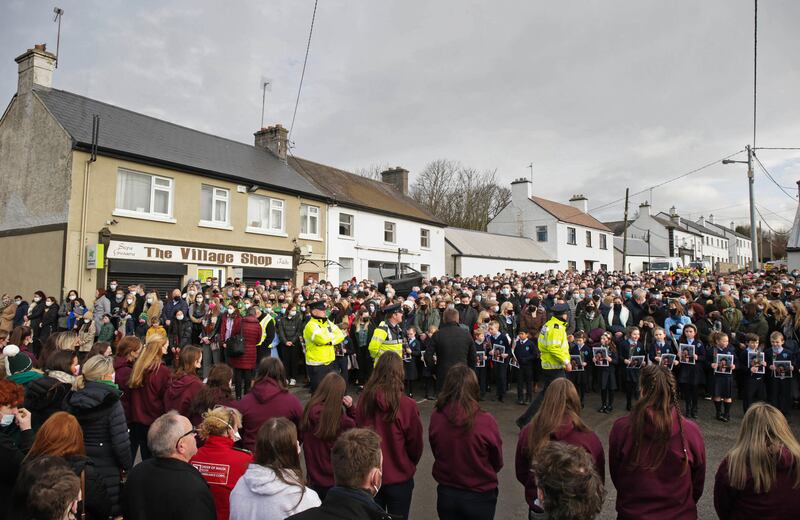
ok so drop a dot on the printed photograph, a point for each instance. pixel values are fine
(687, 354)
(783, 369)
(600, 356)
(668, 360)
(636, 362)
(480, 359)
(724, 364)
(755, 360)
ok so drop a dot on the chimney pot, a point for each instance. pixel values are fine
(275, 139)
(397, 177)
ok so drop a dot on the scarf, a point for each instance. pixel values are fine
(62, 377)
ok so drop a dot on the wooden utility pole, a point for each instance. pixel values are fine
(625, 235)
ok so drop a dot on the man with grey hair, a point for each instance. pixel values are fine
(636, 307)
(167, 486)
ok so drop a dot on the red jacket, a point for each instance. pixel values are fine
(251, 331)
(401, 440)
(667, 492)
(567, 433)
(223, 326)
(318, 452)
(147, 401)
(265, 401)
(466, 459)
(781, 501)
(221, 466)
(122, 373)
(181, 392)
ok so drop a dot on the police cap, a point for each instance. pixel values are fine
(560, 308)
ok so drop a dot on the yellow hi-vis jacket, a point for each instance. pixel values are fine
(553, 344)
(386, 339)
(265, 321)
(320, 336)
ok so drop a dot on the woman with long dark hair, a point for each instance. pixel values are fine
(760, 475)
(45, 396)
(558, 419)
(216, 391)
(467, 449)
(184, 384)
(656, 457)
(273, 485)
(327, 414)
(384, 407)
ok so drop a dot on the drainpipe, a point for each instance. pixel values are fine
(85, 196)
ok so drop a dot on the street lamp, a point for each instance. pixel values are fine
(750, 179)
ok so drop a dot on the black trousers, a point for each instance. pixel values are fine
(242, 377)
(501, 379)
(290, 356)
(460, 504)
(689, 393)
(754, 390)
(365, 364)
(548, 376)
(138, 436)
(317, 372)
(396, 498)
(525, 381)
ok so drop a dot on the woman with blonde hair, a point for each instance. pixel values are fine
(153, 306)
(760, 476)
(97, 407)
(219, 431)
(148, 382)
(558, 419)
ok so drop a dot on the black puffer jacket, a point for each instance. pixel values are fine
(44, 397)
(180, 332)
(105, 433)
(96, 500)
(290, 329)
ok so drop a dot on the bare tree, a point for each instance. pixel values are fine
(373, 171)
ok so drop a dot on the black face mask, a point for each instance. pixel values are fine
(673, 312)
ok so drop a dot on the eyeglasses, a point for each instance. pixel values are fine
(192, 432)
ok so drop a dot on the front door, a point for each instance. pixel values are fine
(588, 265)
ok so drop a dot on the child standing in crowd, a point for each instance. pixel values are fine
(428, 364)
(107, 330)
(723, 381)
(343, 351)
(579, 378)
(525, 352)
(482, 346)
(606, 374)
(755, 360)
(660, 346)
(155, 328)
(690, 375)
(781, 382)
(411, 353)
(631, 349)
(501, 348)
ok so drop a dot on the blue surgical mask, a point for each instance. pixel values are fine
(6, 420)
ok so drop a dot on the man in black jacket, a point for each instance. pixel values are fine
(358, 472)
(451, 345)
(167, 486)
(467, 315)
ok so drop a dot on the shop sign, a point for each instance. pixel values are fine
(94, 256)
(195, 255)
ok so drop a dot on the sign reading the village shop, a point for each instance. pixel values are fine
(195, 255)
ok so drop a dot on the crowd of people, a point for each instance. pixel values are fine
(114, 405)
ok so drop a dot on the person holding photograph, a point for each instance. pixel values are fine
(781, 387)
(482, 346)
(579, 375)
(411, 353)
(501, 347)
(756, 361)
(661, 345)
(629, 346)
(722, 394)
(656, 457)
(760, 476)
(558, 419)
(607, 374)
(690, 375)
(525, 352)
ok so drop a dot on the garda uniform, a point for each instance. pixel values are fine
(387, 337)
(320, 336)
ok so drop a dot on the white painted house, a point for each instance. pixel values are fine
(566, 233)
(739, 250)
(667, 233)
(715, 243)
(476, 253)
(372, 223)
(639, 255)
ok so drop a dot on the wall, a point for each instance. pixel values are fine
(367, 243)
(33, 261)
(35, 162)
(471, 266)
(635, 263)
(186, 212)
(579, 253)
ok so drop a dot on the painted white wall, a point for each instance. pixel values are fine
(471, 266)
(635, 263)
(367, 243)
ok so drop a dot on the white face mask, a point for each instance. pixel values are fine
(150, 300)
(6, 420)
(72, 297)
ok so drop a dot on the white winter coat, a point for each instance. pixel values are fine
(261, 494)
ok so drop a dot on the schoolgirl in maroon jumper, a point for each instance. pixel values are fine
(148, 383)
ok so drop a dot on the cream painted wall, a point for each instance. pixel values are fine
(101, 203)
(33, 262)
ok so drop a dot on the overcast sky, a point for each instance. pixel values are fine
(598, 95)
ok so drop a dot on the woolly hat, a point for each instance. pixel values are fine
(88, 315)
(16, 362)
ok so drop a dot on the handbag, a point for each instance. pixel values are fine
(234, 346)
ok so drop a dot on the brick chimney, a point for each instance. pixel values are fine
(521, 192)
(275, 139)
(35, 68)
(580, 202)
(397, 177)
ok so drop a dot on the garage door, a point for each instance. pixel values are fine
(164, 284)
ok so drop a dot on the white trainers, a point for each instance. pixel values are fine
(292, 382)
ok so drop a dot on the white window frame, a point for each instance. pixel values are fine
(603, 241)
(424, 238)
(149, 214)
(572, 241)
(218, 195)
(588, 238)
(351, 224)
(425, 269)
(541, 229)
(311, 212)
(390, 227)
(272, 204)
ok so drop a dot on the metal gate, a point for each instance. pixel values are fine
(163, 283)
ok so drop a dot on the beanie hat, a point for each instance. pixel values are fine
(88, 315)
(15, 361)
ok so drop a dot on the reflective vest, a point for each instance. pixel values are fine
(265, 321)
(385, 339)
(320, 336)
(553, 344)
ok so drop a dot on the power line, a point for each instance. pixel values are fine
(772, 178)
(303, 74)
(767, 223)
(778, 148)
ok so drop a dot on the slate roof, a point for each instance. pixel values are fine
(481, 244)
(351, 189)
(566, 213)
(702, 229)
(667, 223)
(142, 138)
(724, 230)
(617, 226)
(638, 247)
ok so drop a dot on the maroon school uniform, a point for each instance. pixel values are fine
(265, 401)
(782, 500)
(181, 392)
(666, 492)
(401, 439)
(567, 433)
(147, 401)
(318, 452)
(122, 373)
(466, 459)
